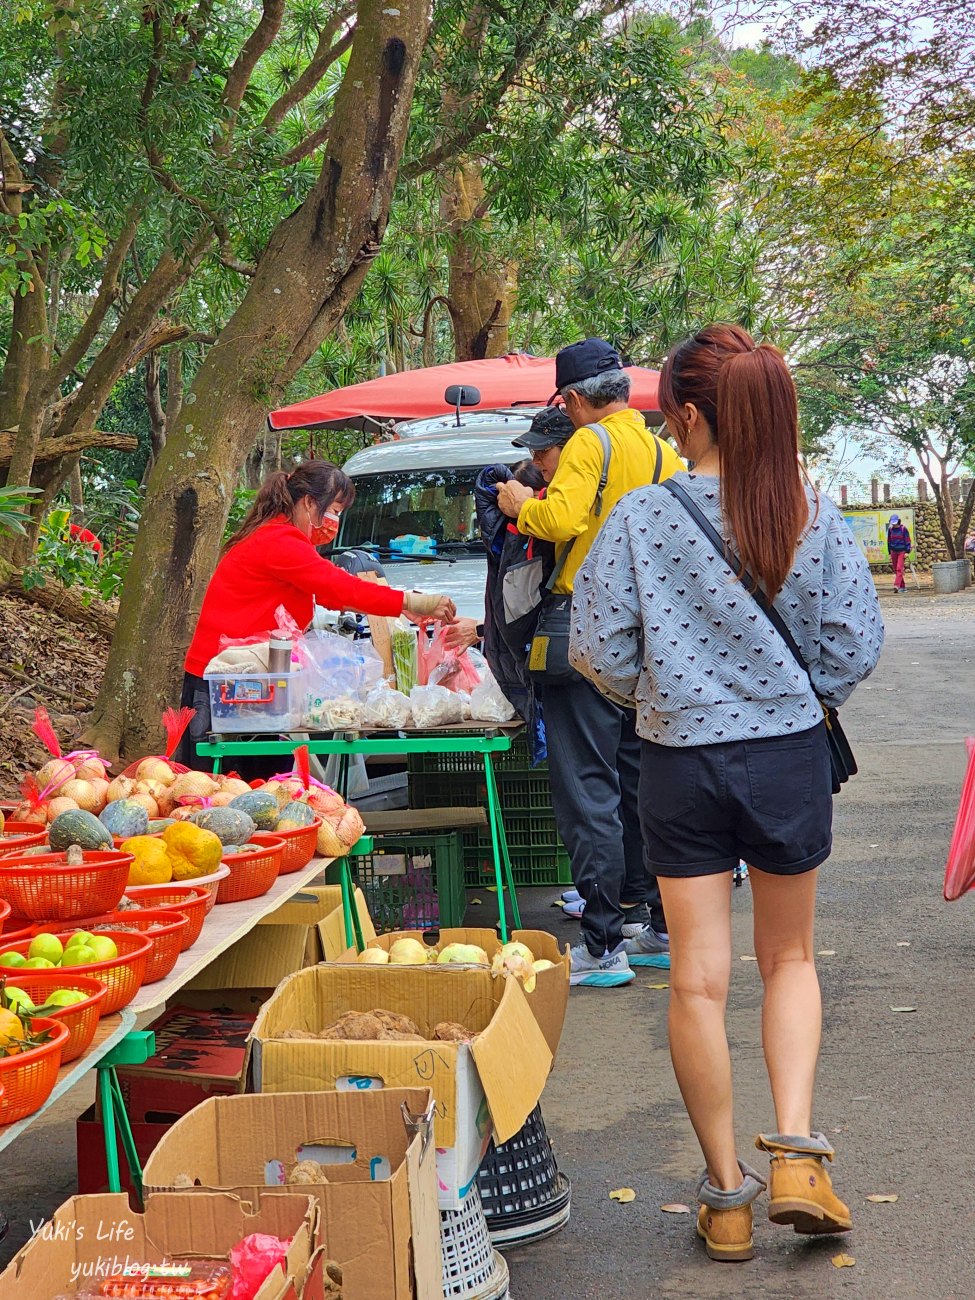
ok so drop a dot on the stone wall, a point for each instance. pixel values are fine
(929, 545)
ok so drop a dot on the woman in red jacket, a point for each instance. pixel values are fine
(272, 560)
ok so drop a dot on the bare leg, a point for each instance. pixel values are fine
(699, 921)
(785, 910)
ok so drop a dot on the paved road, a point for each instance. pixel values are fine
(896, 1091)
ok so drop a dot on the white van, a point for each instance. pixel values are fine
(422, 485)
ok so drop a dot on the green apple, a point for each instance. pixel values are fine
(103, 947)
(38, 963)
(79, 936)
(47, 946)
(65, 998)
(12, 960)
(79, 955)
(18, 1000)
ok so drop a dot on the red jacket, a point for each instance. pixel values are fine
(277, 565)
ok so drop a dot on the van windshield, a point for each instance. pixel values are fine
(413, 512)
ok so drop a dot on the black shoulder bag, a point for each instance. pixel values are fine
(842, 762)
(548, 655)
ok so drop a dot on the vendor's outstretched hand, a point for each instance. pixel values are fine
(512, 496)
(429, 604)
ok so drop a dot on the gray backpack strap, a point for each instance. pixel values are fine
(602, 433)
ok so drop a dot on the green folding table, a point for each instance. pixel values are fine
(485, 743)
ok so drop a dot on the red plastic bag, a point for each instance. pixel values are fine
(960, 870)
(253, 1259)
(438, 666)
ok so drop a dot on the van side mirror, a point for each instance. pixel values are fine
(458, 395)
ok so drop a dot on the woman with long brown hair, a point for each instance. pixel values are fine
(272, 560)
(735, 763)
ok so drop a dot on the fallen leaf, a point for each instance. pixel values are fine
(826, 952)
(843, 1261)
(882, 1200)
(656, 986)
(875, 846)
(903, 943)
(746, 956)
(492, 889)
(676, 1209)
(624, 1195)
(903, 1008)
(475, 902)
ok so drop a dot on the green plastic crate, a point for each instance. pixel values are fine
(424, 896)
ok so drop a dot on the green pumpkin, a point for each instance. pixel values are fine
(261, 807)
(125, 818)
(295, 814)
(228, 824)
(79, 827)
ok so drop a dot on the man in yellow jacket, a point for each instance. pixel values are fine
(594, 752)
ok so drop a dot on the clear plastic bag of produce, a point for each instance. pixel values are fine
(490, 704)
(339, 675)
(435, 706)
(403, 644)
(387, 708)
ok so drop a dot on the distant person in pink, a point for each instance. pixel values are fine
(899, 545)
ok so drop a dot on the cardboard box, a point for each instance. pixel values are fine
(379, 1214)
(497, 1079)
(306, 929)
(548, 1000)
(90, 1238)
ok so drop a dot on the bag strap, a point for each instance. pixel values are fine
(602, 433)
(746, 579)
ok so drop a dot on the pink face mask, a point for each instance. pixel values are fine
(326, 531)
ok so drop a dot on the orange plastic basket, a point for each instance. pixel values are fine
(17, 836)
(5, 910)
(81, 1017)
(29, 1077)
(44, 888)
(188, 899)
(164, 928)
(122, 976)
(208, 882)
(299, 847)
(253, 873)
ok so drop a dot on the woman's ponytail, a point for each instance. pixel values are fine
(746, 394)
(278, 495)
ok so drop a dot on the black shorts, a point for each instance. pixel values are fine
(765, 802)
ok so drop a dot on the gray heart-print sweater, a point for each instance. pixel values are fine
(661, 624)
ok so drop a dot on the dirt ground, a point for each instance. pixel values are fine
(895, 1090)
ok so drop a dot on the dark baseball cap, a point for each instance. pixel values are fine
(550, 427)
(584, 360)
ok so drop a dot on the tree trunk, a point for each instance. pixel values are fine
(77, 495)
(964, 522)
(482, 290)
(311, 270)
(154, 406)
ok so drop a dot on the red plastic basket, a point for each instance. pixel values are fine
(253, 873)
(299, 846)
(122, 976)
(29, 1077)
(5, 910)
(188, 899)
(164, 928)
(81, 1017)
(208, 882)
(44, 889)
(17, 836)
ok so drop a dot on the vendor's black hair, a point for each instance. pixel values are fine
(280, 493)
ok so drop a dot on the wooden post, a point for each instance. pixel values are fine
(844, 493)
(874, 492)
(886, 494)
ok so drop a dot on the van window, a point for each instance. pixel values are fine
(434, 504)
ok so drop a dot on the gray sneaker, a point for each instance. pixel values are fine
(649, 948)
(637, 919)
(606, 972)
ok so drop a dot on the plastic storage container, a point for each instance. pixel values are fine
(258, 702)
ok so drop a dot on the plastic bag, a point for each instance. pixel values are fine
(960, 868)
(387, 708)
(490, 704)
(250, 653)
(435, 706)
(196, 1279)
(438, 666)
(252, 1259)
(403, 643)
(339, 674)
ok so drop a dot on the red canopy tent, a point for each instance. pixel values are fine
(514, 380)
